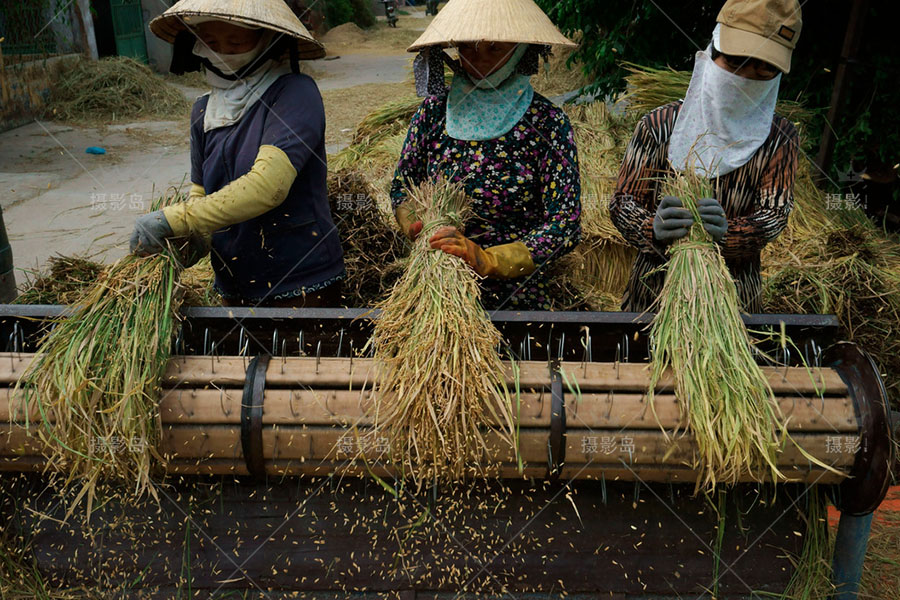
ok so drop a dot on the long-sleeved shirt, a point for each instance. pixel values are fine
(757, 198)
(524, 187)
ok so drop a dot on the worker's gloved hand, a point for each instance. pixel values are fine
(150, 234)
(713, 215)
(410, 226)
(672, 220)
(502, 262)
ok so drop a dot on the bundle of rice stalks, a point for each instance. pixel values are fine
(70, 276)
(197, 284)
(66, 280)
(115, 89)
(650, 88)
(698, 334)
(440, 382)
(372, 245)
(95, 377)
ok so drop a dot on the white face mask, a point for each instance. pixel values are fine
(229, 64)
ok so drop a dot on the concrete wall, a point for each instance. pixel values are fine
(25, 88)
(159, 52)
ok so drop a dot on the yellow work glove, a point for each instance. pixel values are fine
(263, 188)
(506, 261)
(410, 226)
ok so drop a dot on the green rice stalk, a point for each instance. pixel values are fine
(95, 378)
(20, 578)
(812, 576)
(698, 334)
(440, 384)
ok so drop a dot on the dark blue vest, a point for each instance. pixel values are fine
(295, 244)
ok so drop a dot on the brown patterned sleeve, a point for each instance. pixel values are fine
(633, 204)
(747, 235)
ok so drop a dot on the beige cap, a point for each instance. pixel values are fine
(268, 14)
(764, 29)
(519, 21)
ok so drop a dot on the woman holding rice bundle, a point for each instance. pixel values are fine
(726, 129)
(258, 168)
(513, 150)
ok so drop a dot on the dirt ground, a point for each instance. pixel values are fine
(57, 199)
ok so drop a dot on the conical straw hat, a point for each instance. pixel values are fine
(520, 21)
(270, 14)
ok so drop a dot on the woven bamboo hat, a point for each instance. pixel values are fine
(519, 21)
(269, 14)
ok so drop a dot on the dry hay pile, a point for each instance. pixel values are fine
(372, 245)
(64, 282)
(601, 263)
(555, 77)
(346, 34)
(114, 89)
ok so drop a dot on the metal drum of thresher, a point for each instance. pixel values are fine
(293, 398)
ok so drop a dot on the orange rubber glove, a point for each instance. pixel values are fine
(506, 261)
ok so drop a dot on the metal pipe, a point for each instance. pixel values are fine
(849, 554)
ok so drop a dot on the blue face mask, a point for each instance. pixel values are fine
(490, 107)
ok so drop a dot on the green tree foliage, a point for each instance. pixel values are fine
(362, 13)
(338, 12)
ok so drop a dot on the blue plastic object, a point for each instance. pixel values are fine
(849, 553)
(95, 150)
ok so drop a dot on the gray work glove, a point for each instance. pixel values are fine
(672, 220)
(150, 234)
(713, 215)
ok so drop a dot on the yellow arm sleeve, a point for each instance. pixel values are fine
(259, 191)
(509, 261)
(405, 217)
(197, 191)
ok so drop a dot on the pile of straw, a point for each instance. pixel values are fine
(114, 89)
(600, 265)
(698, 334)
(64, 282)
(389, 120)
(95, 377)
(372, 244)
(440, 382)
